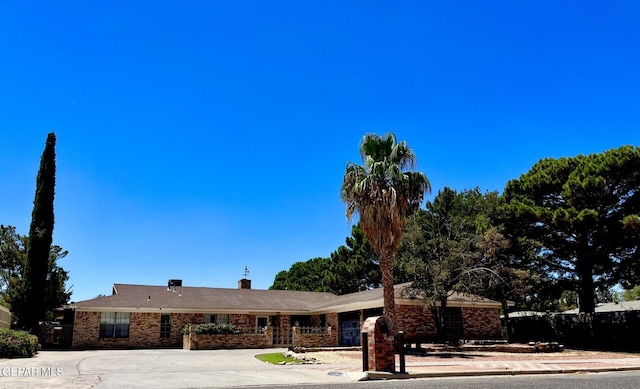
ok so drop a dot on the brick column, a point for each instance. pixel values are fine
(381, 345)
(295, 333)
(268, 332)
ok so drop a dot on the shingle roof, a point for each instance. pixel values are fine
(518, 314)
(613, 307)
(141, 297)
(366, 297)
(202, 298)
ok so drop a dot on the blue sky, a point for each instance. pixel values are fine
(196, 138)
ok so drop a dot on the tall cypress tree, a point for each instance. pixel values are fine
(40, 238)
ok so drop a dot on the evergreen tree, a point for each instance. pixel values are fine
(13, 247)
(13, 257)
(354, 267)
(631, 294)
(439, 249)
(39, 242)
(304, 276)
(585, 213)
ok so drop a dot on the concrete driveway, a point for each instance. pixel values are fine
(164, 368)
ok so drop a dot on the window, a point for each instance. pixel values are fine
(301, 321)
(261, 322)
(218, 318)
(114, 324)
(165, 325)
(453, 322)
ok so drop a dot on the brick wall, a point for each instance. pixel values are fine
(86, 329)
(284, 337)
(228, 341)
(285, 322)
(327, 339)
(332, 321)
(416, 321)
(247, 323)
(478, 323)
(144, 330)
(481, 323)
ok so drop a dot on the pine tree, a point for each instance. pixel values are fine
(39, 242)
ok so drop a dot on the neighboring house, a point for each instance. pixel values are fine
(141, 316)
(618, 306)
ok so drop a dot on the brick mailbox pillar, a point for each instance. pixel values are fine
(381, 344)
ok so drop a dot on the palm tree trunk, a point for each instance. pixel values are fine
(386, 268)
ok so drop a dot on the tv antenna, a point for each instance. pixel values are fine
(246, 272)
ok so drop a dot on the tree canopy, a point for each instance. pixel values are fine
(13, 257)
(631, 294)
(351, 268)
(354, 267)
(307, 276)
(584, 212)
(442, 250)
(527, 246)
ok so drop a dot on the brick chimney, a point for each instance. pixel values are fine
(244, 284)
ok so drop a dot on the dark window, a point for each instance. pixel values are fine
(165, 325)
(261, 323)
(115, 324)
(219, 318)
(453, 322)
(373, 312)
(301, 321)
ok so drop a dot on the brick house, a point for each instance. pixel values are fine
(143, 316)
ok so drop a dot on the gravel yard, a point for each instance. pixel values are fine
(355, 357)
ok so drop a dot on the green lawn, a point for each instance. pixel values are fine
(276, 358)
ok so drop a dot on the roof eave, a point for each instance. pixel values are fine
(191, 310)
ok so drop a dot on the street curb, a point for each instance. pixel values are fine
(380, 375)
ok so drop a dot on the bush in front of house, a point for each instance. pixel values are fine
(15, 343)
(214, 329)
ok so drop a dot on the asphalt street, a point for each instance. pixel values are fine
(619, 380)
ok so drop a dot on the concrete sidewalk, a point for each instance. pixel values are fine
(511, 367)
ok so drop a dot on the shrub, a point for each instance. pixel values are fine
(213, 329)
(14, 343)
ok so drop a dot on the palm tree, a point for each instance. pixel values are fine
(384, 194)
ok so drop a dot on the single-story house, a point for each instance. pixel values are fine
(617, 306)
(145, 316)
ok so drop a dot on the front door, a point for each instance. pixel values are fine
(350, 329)
(350, 333)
